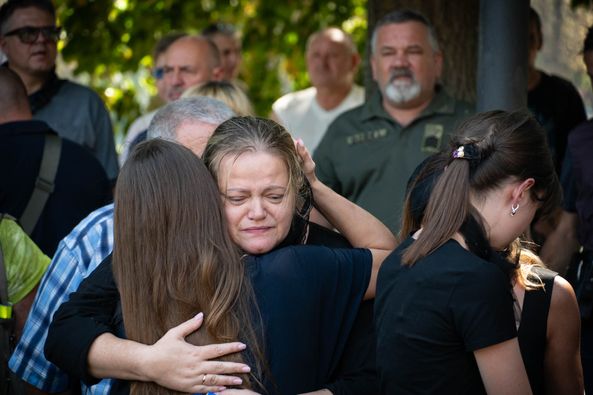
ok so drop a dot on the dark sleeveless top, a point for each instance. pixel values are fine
(533, 329)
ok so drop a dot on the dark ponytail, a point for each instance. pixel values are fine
(489, 149)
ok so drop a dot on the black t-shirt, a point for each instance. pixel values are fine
(356, 372)
(308, 298)
(431, 316)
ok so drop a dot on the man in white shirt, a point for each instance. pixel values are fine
(332, 62)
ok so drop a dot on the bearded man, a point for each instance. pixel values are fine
(369, 152)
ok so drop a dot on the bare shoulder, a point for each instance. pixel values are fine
(562, 294)
(564, 309)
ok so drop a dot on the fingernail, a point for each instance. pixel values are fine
(237, 381)
(199, 316)
(246, 369)
(241, 346)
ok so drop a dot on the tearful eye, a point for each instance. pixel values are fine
(276, 198)
(236, 199)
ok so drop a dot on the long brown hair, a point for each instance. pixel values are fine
(504, 145)
(173, 256)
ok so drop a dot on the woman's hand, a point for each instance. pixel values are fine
(307, 163)
(238, 392)
(173, 363)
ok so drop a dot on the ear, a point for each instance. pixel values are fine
(373, 67)
(217, 74)
(521, 190)
(438, 63)
(3, 44)
(355, 61)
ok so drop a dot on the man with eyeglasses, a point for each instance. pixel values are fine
(140, 124)
(188, 61)
(28, 38)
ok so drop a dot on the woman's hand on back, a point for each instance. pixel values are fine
(173, 363)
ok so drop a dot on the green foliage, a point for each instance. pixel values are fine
(110, 42)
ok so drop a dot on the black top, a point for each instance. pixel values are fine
(558, 107)
(81, 184)
(307, 296)
(534, 327)
(431, 316)
(356, 373)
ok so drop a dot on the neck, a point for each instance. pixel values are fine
(533, 77)
(329, 98)
(15, 115)
(405, 115)
(32, 82)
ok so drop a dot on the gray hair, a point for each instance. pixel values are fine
(192, 109)
(401, 16)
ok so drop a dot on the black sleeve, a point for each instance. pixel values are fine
(80, 320)
(356, 373)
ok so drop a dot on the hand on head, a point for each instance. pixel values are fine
(306, 160)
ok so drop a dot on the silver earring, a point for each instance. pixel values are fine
(514, 209)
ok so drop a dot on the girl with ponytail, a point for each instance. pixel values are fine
(444, 309)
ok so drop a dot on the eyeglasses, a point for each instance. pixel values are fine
(158, 73)
(29, 34)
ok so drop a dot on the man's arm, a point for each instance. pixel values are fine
(81, 341)
(561, 244)
(171, 362)
(562, 362)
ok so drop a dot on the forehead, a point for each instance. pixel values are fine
(194, 135)
(325, 42)
(224, 41)
(403, 35)
(29, 16)
(249, 169)
(187, 52)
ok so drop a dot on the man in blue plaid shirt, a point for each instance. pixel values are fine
(77, 256)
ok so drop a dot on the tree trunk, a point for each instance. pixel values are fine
(456, 27)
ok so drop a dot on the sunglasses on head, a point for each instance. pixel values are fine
(29, 34)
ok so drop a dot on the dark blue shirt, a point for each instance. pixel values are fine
(308, 298)
(81, 184)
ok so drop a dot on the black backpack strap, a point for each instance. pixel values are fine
(44, 185)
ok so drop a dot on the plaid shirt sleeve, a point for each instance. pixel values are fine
(77, 256)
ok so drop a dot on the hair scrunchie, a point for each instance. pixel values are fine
(469, 152)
